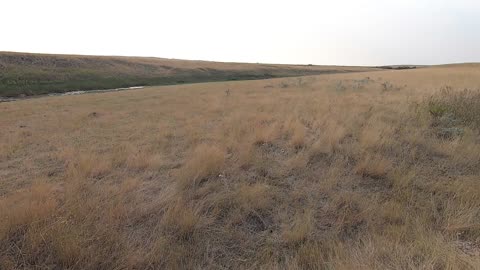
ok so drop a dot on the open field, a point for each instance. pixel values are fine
(371, 170)
(34, 74)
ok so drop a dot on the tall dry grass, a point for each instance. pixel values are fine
(279, 174)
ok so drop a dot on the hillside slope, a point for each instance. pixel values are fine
(33, 74)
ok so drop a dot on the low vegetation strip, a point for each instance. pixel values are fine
(23, 74)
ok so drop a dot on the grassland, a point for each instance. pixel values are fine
(377, 170)
(25, 74)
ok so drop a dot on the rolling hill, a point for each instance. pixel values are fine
(26, 74)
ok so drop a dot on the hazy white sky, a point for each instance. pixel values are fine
(342, 32)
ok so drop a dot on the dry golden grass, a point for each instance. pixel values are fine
(326, 172)
(373, 166)
(204, 161)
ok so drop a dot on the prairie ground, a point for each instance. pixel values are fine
(377, 170)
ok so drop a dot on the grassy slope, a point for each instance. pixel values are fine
(327, 172)
(33, 74)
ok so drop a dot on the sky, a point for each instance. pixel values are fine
(340, 32)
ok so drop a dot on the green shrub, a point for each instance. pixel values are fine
(437, 110)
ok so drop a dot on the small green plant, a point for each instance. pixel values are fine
(437, 110)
